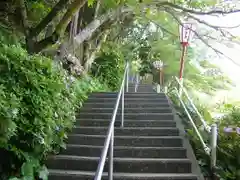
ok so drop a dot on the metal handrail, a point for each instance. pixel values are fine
(205, 125)
(136, 82)
(109, 141)
(206, 148)
(211, 151)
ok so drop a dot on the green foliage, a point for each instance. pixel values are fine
(228, 158)
(8, 36)
(37, 110)
(228, 151)
(37, 10)
(109, 67)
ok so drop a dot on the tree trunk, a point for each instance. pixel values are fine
(92, 57)
(61, 27)
(96, 23)
(74, 8)
(51, 15)
(23, 10)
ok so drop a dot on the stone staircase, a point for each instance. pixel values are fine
(151, 146)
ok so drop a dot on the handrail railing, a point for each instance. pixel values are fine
(205, 125)
(109, 141)
(136, 82)
(211, 151)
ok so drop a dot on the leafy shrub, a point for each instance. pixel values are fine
(228, 157)
(229, 147)
(228, 150)
(37, 110)
(109, 66)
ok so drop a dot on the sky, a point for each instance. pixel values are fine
(228, 67)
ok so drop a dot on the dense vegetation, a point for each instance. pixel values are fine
(53, 53)
(38, 104)
(228, 141)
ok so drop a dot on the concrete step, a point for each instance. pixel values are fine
(138, 116)
(128, 105)
(114, 95)
(127, 100)
(127, 110)
(145, 90)
(86, 175)
(127, 151)
(129, 165)
(128, 131)
(127, 123)
(141, 141)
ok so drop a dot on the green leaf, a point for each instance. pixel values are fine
(90, 2)
(27, 169)
(14, 178)
(43, 173)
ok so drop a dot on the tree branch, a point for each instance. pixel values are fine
(73, 9)
(92, 57)
(55, 10)
(96, 23)
(61, 27)
(218, 52)
(196, 11)
(97, 9)
(164, 29)
(210, 25)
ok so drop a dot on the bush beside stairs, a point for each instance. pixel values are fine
(150, 146)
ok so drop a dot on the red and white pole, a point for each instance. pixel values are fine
(186, 33)
(184, 50)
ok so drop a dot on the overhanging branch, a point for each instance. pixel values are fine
(55, 10)
(197, 12)
(218, 52)
(96, 23)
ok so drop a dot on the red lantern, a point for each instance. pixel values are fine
(185, 34)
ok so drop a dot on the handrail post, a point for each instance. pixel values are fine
(123, 94)
(127, 76)
(158, 88)
(180, 87)
(110, 156)
(213, 146)
(136, 82)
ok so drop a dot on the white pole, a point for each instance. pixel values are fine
(180, 87)
(158, 88)
(214, 146)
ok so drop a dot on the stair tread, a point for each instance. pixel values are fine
(125, 120)
(126, 113)
(129, 108)
(127, 147)
(131, 93)
(128, 128)
(123, 159)
(125, 137)
(121, 174)
(113, 102)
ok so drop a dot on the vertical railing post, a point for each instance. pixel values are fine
(136, 82)
(122, 121)
(214, 135)
(158, 88)
(127, 76)
(180, 87)
(110, 156)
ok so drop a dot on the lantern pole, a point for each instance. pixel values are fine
(185, 35)
(184, 50)
(159, 66)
